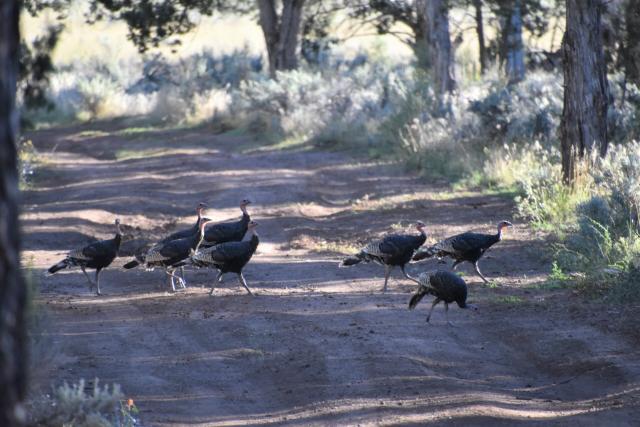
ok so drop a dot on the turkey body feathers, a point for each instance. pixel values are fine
(449, 287)
(97, 255)
(229, 257)
(171, 252)
(444, 285)
(226, 231)
(462, 247)
(395, 249)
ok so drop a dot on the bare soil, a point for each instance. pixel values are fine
(318, 344)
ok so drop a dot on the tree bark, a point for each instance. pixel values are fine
(631, 54)
(586, 91)
(440, 57)
(12, 291)
(514, 48)
(281, 33)
(477, 4)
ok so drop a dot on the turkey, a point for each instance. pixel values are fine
(191, 231)
(170, 254)
(229, 257)
(228, 231)
(391, 251)
(98, 255)
(467, 246)
(187, 232)
(447, 287)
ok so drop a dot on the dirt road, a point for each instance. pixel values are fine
(317, 344)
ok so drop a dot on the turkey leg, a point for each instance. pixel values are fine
(475, 265)
(244, 283)
(433, 305)
(218, 279)
(387, 272)
(98, 271)
(91, 284)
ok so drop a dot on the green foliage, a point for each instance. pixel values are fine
(604, 244)
(557, 274)
(27, 160)
(509, 300)
(345, 105)
(529, 110)
(73, 405)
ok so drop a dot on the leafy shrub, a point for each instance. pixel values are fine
(27, 159)
(312, 106)
(529, 110)
(71, 405)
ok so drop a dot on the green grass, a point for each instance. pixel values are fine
(509, 300)
(137, 130)
(88, 134)
(129, 154)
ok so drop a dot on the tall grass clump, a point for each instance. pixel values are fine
(604, 246)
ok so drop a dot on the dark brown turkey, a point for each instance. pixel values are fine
(467, 246)
(391, 251)
(98, 255)
(229, 257)
(446, 286)
(228, 231)
(186, 233)
(171, 255)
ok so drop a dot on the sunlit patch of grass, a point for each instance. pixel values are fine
(336, 247)
(129, 154)
(509, 300)
(365, 203)
(316, 244)
(87, 134)
(492, 285)
(289, 143)
(137, 130)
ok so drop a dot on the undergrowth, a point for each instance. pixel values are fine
(74, 405)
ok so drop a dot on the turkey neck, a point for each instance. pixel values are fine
(252, 237)
(118, 238)
(245, 215)
(422, 237)
(198, 239)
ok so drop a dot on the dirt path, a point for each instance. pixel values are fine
(318, 344)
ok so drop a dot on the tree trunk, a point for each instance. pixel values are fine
(419, 45)
(631, 55)
(281, 33)
(586, 92)
(514, 48)
(477, 4)
(12, 290)
(436, 18)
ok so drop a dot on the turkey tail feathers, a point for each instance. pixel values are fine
(415, 299)
(131, 264)
(424, 254)
(349, 261)
(59, 266)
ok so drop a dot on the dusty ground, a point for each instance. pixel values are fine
(317, 344)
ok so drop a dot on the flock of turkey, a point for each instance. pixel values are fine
(227, 247)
